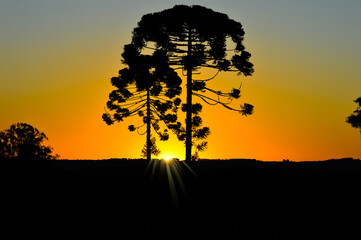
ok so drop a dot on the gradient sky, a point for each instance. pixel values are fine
(57, 58)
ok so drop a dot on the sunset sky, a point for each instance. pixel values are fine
(57, 58)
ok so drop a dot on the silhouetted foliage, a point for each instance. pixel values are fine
(147, 85)
(24, 142)
(355, 118)
(153, 148)
(194, 38)
(199, 133)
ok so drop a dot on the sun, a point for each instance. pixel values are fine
(169, 157)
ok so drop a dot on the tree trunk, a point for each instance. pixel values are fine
(149, 144)
(189, 100)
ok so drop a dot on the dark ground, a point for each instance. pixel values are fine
(235, 199)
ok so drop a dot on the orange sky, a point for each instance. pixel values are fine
(57, 59)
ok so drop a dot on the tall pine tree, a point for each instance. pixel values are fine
(195, 38)
(147, 87)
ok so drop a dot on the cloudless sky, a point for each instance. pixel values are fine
(57, 58)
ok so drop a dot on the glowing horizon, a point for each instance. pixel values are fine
(57, 60)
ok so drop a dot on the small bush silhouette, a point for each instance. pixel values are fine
(23, 141)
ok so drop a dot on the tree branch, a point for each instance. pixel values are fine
(206, 80)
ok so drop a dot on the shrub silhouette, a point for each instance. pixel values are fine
(24, 142)
(355, 118)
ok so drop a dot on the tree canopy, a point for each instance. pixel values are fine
(208, 31)
(25, 142)
(355, 118)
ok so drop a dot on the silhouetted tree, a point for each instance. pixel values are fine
(153, 149)
(24, 142)
(146, 84)
(355, 118)
(194, 38)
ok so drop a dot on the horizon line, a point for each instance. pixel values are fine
(212, 159)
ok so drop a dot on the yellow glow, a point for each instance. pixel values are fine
(174, 150)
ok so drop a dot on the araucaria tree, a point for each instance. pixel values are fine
(355, 118)
(195, 38)
(147, 87)
(24, 142)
